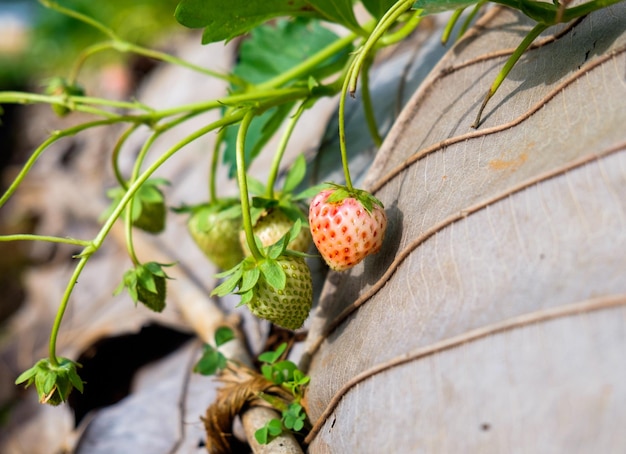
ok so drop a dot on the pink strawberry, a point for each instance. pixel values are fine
(346, 225)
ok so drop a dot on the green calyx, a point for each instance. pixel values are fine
(54, 383)
(146, 284)
(366, 199)
(245, 275)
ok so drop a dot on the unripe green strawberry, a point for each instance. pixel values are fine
(146, 283)
(290, 306)
(152, 300)
(271, 227)
(346, 225)
(215, 229)
(152, 217)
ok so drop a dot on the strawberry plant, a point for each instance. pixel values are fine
(288, 61)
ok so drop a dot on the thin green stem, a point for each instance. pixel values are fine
(515, 56)
(237, 100)
(243, 185)
(280, 151)
(128, 232)
(84, 55)
(49, 239)
(61, 310)
(215, 159)
(368, 106)
(115, 155)
(447, 31)
(123, 46)
(470, 17)
(41, 148)
(385, 23)
(404, 31)
(71, 102)
(342, 130)
(81, 17)
(128, 221)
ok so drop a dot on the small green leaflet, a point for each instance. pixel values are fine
(223, 334)
(439, 6)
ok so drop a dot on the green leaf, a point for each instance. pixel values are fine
(273, 356)
(210, 362)
(283, 371)
(249, 279)
(255, 187)
(378, 8)
(339, 11)
(75, 380)
(27, 375)
(226, 20)
(145, 279)
(295, 174)
(439, 6)
(266, 370)
(261, 435)
(223, 334)
(229, 284)
(246, 297)
(273, 273)
(275, 427)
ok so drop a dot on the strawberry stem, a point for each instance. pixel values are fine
(214, 165)
(116, 153)
(61, 311)
(243, 184)
(342, 130)
(282, 146)
(129, 208)
(368, 107)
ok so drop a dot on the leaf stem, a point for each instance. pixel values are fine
(243, 185)
(515, 56)
(280, 151)
(214, 165)
(81, 17)
(56, 135)
(49, 239)
(383, 25)
(61, 310)
(115, 155)
(368, 107)
(128, 221)
(404, 31)
(342, 129)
